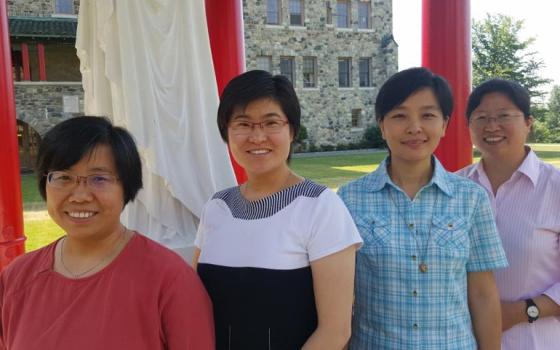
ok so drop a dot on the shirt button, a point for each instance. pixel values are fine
(450, 225)
(413, 257)
(415, 326)
(414, 293)
(411, 226)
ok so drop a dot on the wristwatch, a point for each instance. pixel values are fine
(532, 310)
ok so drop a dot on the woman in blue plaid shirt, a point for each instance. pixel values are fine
(424, 274)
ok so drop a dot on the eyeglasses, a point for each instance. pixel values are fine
(95, 182)
(502, 119)
(244, 127)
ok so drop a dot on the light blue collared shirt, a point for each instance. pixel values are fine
(449, 226)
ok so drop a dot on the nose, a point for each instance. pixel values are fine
(257, 133)
(81, 192)
(414, 126)
(491, 124)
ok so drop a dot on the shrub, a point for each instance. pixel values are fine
(372, 137)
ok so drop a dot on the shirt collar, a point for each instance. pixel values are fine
(529, 167)
(378, 179)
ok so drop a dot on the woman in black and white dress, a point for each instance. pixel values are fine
(276, 253)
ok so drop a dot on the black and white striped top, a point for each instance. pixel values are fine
(256, 259)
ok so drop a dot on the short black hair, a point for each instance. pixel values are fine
(69, 141)
(403, 84)
(517, 94)
(255, 85)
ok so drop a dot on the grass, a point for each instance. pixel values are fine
(331, 171)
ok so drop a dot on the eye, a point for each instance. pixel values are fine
(60, 177)
(240, 124)
(272, 124)
(99, 180)
(480, 118)
(397, 116)
(429, 115)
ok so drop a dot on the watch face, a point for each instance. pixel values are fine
(532, 311)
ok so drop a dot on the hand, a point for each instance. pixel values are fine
(512, 313)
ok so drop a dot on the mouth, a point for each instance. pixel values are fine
(493, 140)
(415, 142)
(259, 152)
(81, 214)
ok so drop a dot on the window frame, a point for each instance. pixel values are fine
(301, 13)
(268, 59)
(367, 60)
(313, 60)
(278, 12)
(348, 5)
(347, 75)
(368, 17)
(291, 60)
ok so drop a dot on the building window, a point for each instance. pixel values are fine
(364, 10)
(343, 14)
(329, 12)
(264, 63)
(287, 68)
(364, 68)
(17, 63)
(356, 118)
(64, 7)
(273, 11)
(344, 72)
(296, 12)
(309, 72)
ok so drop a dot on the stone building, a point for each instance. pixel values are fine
(45, 68)
(336, 53)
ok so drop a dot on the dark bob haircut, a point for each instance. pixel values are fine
(405, 83)
(70, 141)
(255, 85)
(517, 94)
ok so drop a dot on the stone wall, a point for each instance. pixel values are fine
(35, 8)
(326, 109)
(40, 104)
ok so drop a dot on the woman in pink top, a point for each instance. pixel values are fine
(525, 196)
(101, 286)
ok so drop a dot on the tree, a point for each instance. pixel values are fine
(552, 117)
(498, 52)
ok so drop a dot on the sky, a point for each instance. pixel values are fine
(540, 21)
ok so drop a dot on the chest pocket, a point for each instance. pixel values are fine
(451, 235)
(375, 230)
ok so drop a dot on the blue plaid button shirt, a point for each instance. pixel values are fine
(397, 306)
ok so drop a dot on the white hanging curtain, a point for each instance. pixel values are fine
(147, 65)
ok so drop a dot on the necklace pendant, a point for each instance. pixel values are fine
(423, 267)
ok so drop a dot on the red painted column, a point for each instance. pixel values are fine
(225, 28)
(11, 218)
(25, 62)
(41, 60)
(446, 50)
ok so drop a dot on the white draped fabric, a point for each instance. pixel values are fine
(147, 65)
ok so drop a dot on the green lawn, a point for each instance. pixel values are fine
(332, 171)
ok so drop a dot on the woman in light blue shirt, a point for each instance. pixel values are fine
(424, 275)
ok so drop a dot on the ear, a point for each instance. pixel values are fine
(445, 125)
(529, 121)
(382, 128)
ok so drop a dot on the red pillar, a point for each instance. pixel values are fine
(41, 60)
(11, 219)
(225, 28)
(446, 50)
(25, 62)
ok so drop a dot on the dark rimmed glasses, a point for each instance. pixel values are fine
(244, 127)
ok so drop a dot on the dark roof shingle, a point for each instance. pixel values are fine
(43, 27)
